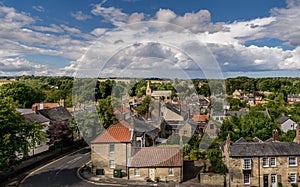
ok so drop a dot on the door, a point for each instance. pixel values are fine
(152, 173)
(274, 180)
(266, 180)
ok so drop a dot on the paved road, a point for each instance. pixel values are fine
(62, 172)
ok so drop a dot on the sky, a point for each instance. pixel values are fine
(157, 38)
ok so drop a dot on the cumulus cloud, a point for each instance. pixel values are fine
(21, 66)
(79, 15)
(110, 14)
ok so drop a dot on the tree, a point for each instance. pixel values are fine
(21, 93)
(106, 112)
(144, 107)
(16, 135)
(59, 132)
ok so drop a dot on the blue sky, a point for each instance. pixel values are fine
(244, 38)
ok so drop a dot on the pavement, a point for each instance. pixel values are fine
(13, 176)
(85, 174)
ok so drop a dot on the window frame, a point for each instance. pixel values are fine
(171, 171)
(295, 177)
(296, 164)
(271, 164)
(245, 182)
(111, 164)
(111, 148)
(246, 165)
(137, 172)
(266, 162)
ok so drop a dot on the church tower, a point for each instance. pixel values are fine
(148, 90)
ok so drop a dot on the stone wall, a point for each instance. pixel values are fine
(282, 170)
(161, 172)
(211, 179)
(101, 156)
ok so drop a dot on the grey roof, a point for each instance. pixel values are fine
(283, 119)
(33, 117)
(241, 140)
(264, 149)
(56, 114)
(24, 110)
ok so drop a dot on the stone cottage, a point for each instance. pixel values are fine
(262, 163)
(163, 163)
(112, 149)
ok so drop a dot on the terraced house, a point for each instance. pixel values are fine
(262, 164)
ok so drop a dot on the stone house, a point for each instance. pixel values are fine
(37, 118)
(112, 149)
(163, 163)
(286, 124)
(292, 99)
(261, 163)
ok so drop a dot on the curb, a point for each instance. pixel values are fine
(94, 182)
(31, 172)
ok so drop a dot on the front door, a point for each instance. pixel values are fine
(274, 180)
(266, 180)
(152, 173)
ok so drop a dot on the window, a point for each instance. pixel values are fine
(265, 162)
(246, 178)
(111, 148)
(273, 161)
(171, 171)
(136, 171)
(246, 163)
(292, 161)
(292, 178)
(111, 164)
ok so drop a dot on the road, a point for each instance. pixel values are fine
(62, 172)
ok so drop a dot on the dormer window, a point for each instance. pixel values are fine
(247, 164)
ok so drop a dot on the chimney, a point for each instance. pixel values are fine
(275, 135)
(62, 102)
(297, 138)
(228, 139)
(34, 108)
(41, 106)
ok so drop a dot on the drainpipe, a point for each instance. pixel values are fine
(258, 171)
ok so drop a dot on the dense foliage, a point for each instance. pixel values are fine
(16, 135)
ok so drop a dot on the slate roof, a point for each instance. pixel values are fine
(157, 157)
(283, 119)
(33, 117)
(264, 149)
(24, 110)
(56, 114)
(118, 133)
(140, 127)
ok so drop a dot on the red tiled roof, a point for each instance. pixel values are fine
(157, 156)
(200, 118)
(115, 133)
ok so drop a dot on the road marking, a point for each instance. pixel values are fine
(74, 160)
(42, 167)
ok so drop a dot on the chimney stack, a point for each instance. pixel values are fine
(297, 138)
(275, 135)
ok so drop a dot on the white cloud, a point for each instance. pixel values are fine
(38, 8)
(52, 28)
(20, 66)
(110, 14)
(79, 15)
